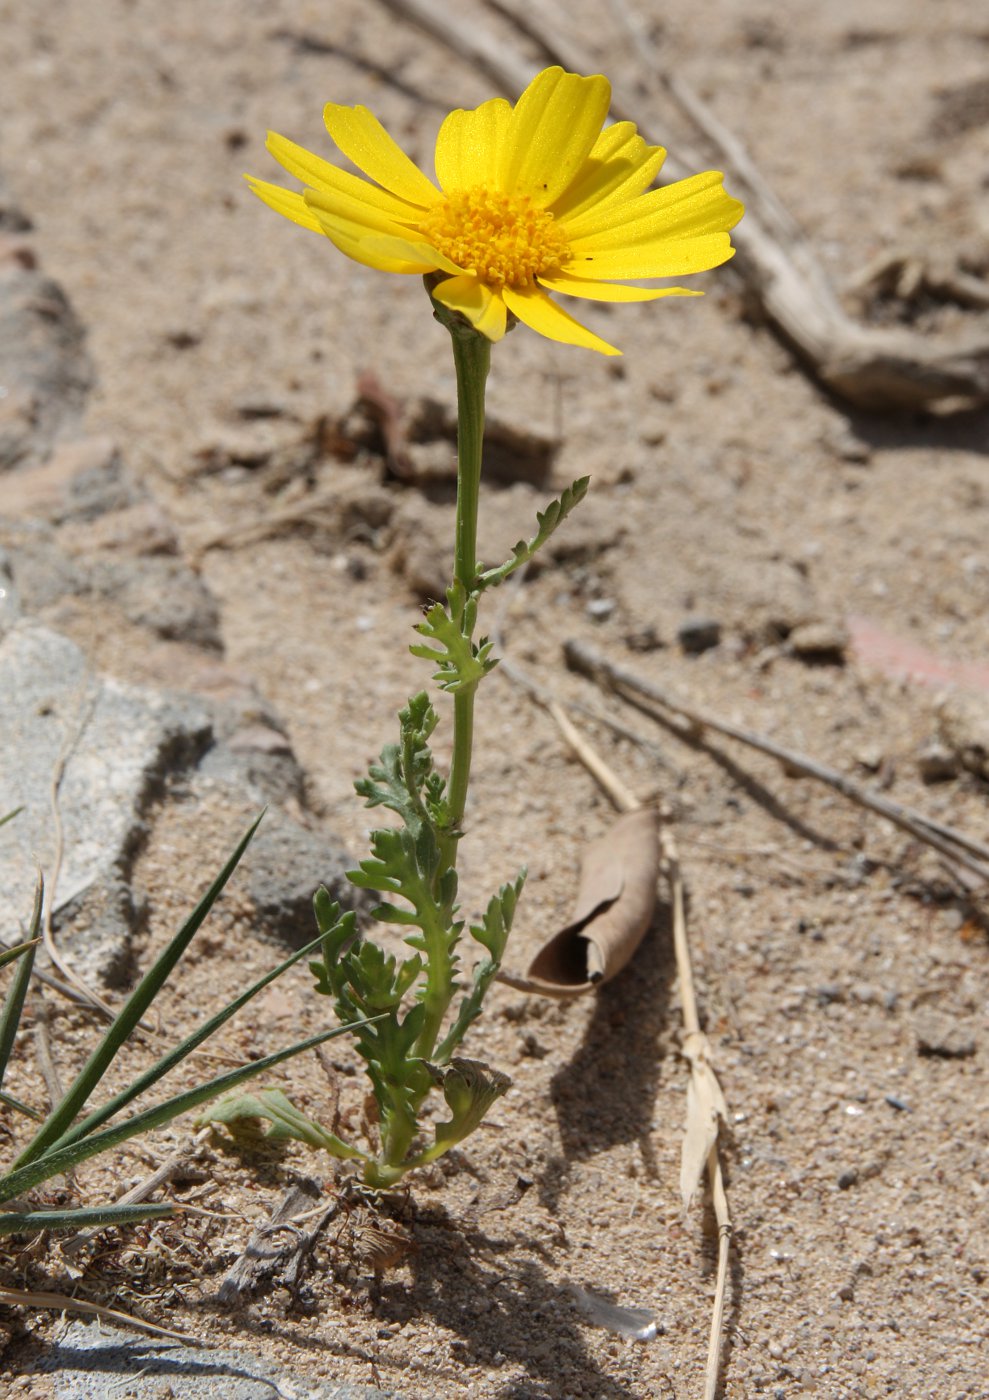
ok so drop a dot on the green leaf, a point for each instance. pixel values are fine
(470, 1088)
(9, 955)
(547, 522)
(492, 933)
(284, 1120)
(63, 1159)
(460, 662)
(132, 1012)
(94, 1216)
(13, 1003)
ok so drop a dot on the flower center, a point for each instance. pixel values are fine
(504, 239)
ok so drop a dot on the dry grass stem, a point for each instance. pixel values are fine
(956, 845)
(706, 1107)
(14, 1298)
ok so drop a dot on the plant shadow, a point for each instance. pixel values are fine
(606, 1094)
(505, 1308)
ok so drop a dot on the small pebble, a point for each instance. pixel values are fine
(848, 1178)
(936, 763)
(600, 609)
(822, 642)
(698, 634)
(900, 1105)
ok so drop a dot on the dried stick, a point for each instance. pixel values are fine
(706, 1108)
(871, 367)
(84, 709)
(14, 1298)
(951, 843)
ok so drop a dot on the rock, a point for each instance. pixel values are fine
(287, 865)
(820, 642)
(936, 763)
(92, 1361)
(963, 724)
(41, 572)
(127, 744)
(644, 639)
(941, 1036)
(44, 368)
(698, 634)
(115, 745)
(600, 609)
(10, 599)
(848, 1178)
(163, 594)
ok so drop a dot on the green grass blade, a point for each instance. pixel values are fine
(19, 1107)
(63, 1159)
(8, 955)
(9, 816)
(16, 1224)
(168, 1062)
(132, 1011)
(13, 1002)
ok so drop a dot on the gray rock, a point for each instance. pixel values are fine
(163, 594)
(287, 864)
(44, 367)
(10, 598)
(115, 746)
(91, 1361)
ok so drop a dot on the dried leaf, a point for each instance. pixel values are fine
(615, 902)
(706, 1107)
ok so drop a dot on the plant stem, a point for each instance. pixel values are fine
(472, 357)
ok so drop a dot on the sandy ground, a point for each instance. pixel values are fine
(725, 485)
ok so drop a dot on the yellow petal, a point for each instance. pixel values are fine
(535, 309)
(661, 258)
(319, 174)
(483, 308)
(619, 167)
(286, 202)
(467, 146)
(364, 140)
(334, 204)
(609, 291)
(553, 127)
(682, 210)
(424, 255)
(365, 245)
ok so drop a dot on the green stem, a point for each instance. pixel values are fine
(472, 358)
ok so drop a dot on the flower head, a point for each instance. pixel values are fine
(528, 200)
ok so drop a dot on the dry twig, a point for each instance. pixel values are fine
(706, 1108)
(955, 845)
(14, 1298)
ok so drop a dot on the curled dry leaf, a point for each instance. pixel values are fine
(706, 1107)
(615, 902)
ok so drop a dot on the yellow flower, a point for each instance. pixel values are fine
(531, 199)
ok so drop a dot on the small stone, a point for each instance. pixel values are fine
(940, 1036)
(963, 722)
(821, 642)
(644, 639)
(936, 763)
(846, 1293)
(600, 609)
(848, 1178)
(698, 634)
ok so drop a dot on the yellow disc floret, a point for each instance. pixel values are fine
(503, 239)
